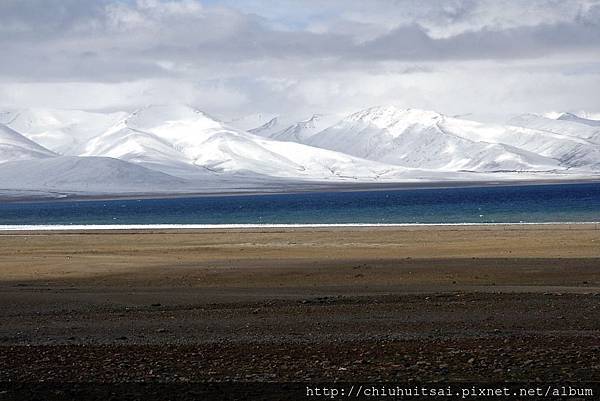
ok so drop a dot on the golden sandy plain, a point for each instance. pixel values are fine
(469, 255)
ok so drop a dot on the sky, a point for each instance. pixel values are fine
(490, 59)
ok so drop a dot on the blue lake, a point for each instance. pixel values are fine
(505, 204)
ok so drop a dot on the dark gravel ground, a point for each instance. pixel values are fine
(495, 358)
(429, 337)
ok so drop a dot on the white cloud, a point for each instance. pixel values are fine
(491, 57)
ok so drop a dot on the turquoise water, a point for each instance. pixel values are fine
(533, 203)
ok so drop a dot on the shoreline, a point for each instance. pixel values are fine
(143, 227)
(290, 189)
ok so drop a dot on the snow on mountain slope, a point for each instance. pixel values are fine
(267, 129)
(301, 131)
(191, 136)
(260, 124)
(561, 126)
(284, 129)
(577, 119)
(254, 121)
(180, 149)
(62, 131)
(569, 151)
(85, 174)
(14, 146)
(419, 139)
(142, 148)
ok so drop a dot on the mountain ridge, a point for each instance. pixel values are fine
(15, 146)
(191, 148)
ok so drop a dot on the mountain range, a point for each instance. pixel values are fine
(178, 149)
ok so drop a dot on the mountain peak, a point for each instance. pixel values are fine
(273, 122)
(171, 111)
(575, 118)
(388, 116)
(150, 117)
(310, 123)
(14, 146)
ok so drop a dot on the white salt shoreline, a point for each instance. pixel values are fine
(109, 227)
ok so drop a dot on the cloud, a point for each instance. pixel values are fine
(413, 43)
(295, 56)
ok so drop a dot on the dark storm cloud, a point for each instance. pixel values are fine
(45, 19)
(413, 43)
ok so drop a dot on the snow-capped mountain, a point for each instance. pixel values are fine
(165, 135)
(85, 174)
(14, 146)
(161, 149)
(577, 119)
(62, 131)
(267, 129)
(254, 122)
(143, 148)
(571, 152)
(302, 131)
(564, 126)
(423, 139)
(278, 128)
(261, 124)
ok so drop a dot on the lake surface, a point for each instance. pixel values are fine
(531, 204)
